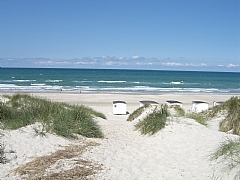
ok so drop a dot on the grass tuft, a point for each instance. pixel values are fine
(178, 110)
(198, 117)
(228, 153)
(3, 159)
(154, 121)
(232, 120)
(60, 118)
(137, 112)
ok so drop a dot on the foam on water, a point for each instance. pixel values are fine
(122, 81)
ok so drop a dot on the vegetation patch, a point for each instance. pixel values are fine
(137, 112)
(3, 159)
(60, 118)
(232, 120)
(154, 121)
(81, 169)
(178, 111)
(228, 153)
(198, 117)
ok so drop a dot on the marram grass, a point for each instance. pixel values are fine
(228, 153)
(232, 120)
(60, 118)
(178, 110)
(154, 121)
(198, 117)
(137, 112)
(3, 159)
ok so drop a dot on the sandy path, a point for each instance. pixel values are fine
(179, 151)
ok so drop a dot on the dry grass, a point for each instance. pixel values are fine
(36, 169)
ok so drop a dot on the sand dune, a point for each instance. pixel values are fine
(179, 151)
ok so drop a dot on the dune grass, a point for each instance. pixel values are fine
(232, 120)
(154, 121)
(60, 118)
(137, 112)
(179, 111)
(198, 117)
(228, 153)
(230, 109)
(3, 158)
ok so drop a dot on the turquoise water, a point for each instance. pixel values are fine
(117, 81)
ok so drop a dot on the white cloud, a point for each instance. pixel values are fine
(180, 64)
(203, 64)
(45, 62)
(139, 63)
(220, 65)
(10, 59)
(52, 63)
(105, 57)
(172, 64)
(135, 57)
(109, 63)
(112, 63)
(232, 65)
(62, 62)
(196, 65)
(85, 63)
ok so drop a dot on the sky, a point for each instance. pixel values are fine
(121, 34)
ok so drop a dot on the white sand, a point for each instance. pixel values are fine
(179, 151)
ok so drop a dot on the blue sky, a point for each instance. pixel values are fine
(124, 34)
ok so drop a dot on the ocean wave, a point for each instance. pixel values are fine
(7, 85)
(102, 81)
(88, 89)
(49, 80)
(23, 80)
(38, 84)
(85, 81)
(177, 82)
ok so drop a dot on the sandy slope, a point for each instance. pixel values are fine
(179, 151)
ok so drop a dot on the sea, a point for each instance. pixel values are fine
(117, 81)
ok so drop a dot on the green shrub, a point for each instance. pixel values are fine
(137, 112)
(154, 121)
(228, 153)
(60, 118)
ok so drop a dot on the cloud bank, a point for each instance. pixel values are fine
(133, 62)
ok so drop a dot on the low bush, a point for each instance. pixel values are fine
(154, 121)
(60, 118)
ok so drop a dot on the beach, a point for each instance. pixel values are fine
(179, 151)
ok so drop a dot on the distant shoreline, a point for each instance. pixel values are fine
(97, 100)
